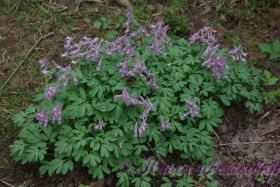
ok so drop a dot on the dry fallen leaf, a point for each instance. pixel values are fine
(124, 3)
(97, 184)
(159, 12)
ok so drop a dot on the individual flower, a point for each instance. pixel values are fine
(142, 128)
(160, 32)
(219, 67)
(56, 114)
(237, 54)
(195, 37)
(127, 99)
(206, 35)
(152, 81)
(99, 126)
(156, 49)
(165, 125)
(139, 68)
(68, 42)
(217, 64)
(115, 46)
(124, 69)
(66, 74)
(50, 92)
(193, 110)
(44, 66)
(149, 106)
(136, 134)
(98, 67)
(42, 118)
(210, 51)
(130, 18)
(145, 32)
(210, 62)
(133, 34)
(128, 50)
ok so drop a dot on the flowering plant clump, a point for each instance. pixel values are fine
(137, 95)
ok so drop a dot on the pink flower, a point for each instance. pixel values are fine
(56, 114)
(42, 118)
(50, 92)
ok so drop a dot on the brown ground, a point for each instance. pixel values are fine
(238, 125)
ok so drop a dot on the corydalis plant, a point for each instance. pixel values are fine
(213, 61)
(137, 95)
(193, 110)
(237, 54)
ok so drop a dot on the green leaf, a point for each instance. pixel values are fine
(269, 80)
(97, 24)
(82, 93)
(87, 20)
(266, 48)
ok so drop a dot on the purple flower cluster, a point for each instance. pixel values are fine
(160, 33)
(128, 50)
(66, 74)
(44, 66)
(127, 99)
(42, 118)
(237, 54)
(86, 47)
(130, 18)
(206, 35)
(115, 46)
(210, 50)
(56, 114)
(131, 101)
(193, 110)
(217, 64)
(165, 125)
(50, 92)
(139, 67)
(152, 81)
(92, 50)
(144, 116)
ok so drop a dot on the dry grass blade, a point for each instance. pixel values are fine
(6, 183)
(247, 143)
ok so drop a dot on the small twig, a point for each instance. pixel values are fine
(247, 143)
(220, 140)
(55, 7)
(157, 155)
(261, 118)
(23, 60)
(6, 183)
(80, 2)
(205, 3)
(6, 111)
(8, 168)
(270, 131)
